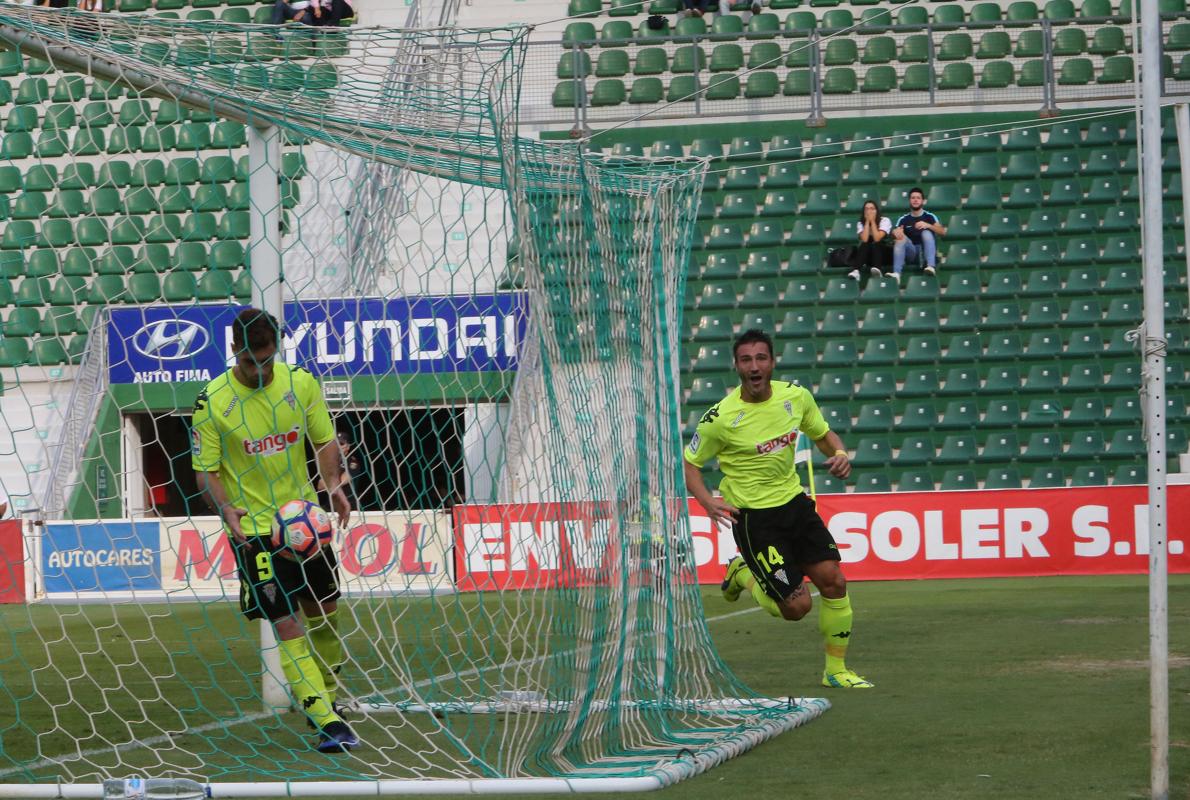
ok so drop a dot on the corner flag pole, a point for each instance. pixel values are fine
(1153, 393)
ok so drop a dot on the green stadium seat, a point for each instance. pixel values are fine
(33, 291)
(914, 450)
(1110, 40)
(762, 84)
(22, 322)
(838, 19)
(1047, 477)
(959, 415)
(691, 26)
(922, 350)
(645, 90)
(48, 352)
(1116, 69)
(21, 119)
(955, 47)
(649, 61)
(144, 287)
(994, 45)
(840, 52)
(579, 34)
(683, 88)
(79, 261)
(32, 91)
(18, 234)
(215, 286)
(1070, 42)
(1004, 346)
(722, 87)
(880, 50)
(68, 290)
(917, 78)
(1023, 11)
(879, 79)
(1076, 72)
(612, 64)
(798, 82)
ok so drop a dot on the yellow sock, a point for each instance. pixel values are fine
(305, 681)
(834, 620)
(748, 581)
(328, 649)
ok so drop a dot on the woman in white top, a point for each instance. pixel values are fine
(872, 251)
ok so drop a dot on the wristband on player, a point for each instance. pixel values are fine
(841, 453)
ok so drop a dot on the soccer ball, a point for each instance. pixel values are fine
(300, 529)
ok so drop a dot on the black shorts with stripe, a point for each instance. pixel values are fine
(271, 585)
(776, 543)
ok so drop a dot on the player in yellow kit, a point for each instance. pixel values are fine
(781, 538)
(249, 455)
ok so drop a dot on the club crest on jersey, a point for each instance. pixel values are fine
(291, 400)
(195, 442)
(789, 408)
(273, 443)
(777, 443)
(737, 419)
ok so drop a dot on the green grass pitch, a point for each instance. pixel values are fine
(985, 689)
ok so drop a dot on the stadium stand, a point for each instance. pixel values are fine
(1020, 338)
(947, 46)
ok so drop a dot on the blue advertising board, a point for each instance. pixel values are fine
(101, 556)
(331, 338)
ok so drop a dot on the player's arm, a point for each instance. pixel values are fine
(704, 446)
(216, 496)
(206, 456)
(330, 474)
(321, 431)
(837, 462)
(814, 425)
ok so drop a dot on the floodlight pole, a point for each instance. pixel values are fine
(1153, 383)
(264, 259)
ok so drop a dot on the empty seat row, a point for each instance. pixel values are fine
(34, 294)
(207, 169)
(109, 201)
(1021, 12)
(1064, 135)
(120, 260)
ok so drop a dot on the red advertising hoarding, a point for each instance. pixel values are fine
(12, 562)
(897, 536)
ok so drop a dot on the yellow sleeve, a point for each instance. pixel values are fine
(206, 451)
(813, 424)
(319, 427)
(705, 443)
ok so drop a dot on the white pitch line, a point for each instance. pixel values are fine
(153, 741)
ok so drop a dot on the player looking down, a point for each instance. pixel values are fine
(248, 452)
(779, 534)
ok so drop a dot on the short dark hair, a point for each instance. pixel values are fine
(918, 190)
(751, 336)
(254, 328)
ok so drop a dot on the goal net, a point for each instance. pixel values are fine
(495, 324)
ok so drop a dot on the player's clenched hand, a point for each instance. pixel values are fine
(722, 512)
(341, 504)
(231, 521)
(839, 465)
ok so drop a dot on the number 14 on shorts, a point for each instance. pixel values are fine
(770, 560)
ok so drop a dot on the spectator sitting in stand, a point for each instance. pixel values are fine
(872, 252)
(915, 234)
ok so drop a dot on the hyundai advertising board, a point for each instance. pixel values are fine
(331, 338)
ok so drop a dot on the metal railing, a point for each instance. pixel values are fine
(82, 409)
(807, 51)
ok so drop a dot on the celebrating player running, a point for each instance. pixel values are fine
(780, 536)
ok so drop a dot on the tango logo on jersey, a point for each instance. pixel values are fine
(273, 443)
(777, 443)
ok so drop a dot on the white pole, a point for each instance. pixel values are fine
(1182, 115)
(264, 233)
(264, 253)
(1153, 377)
